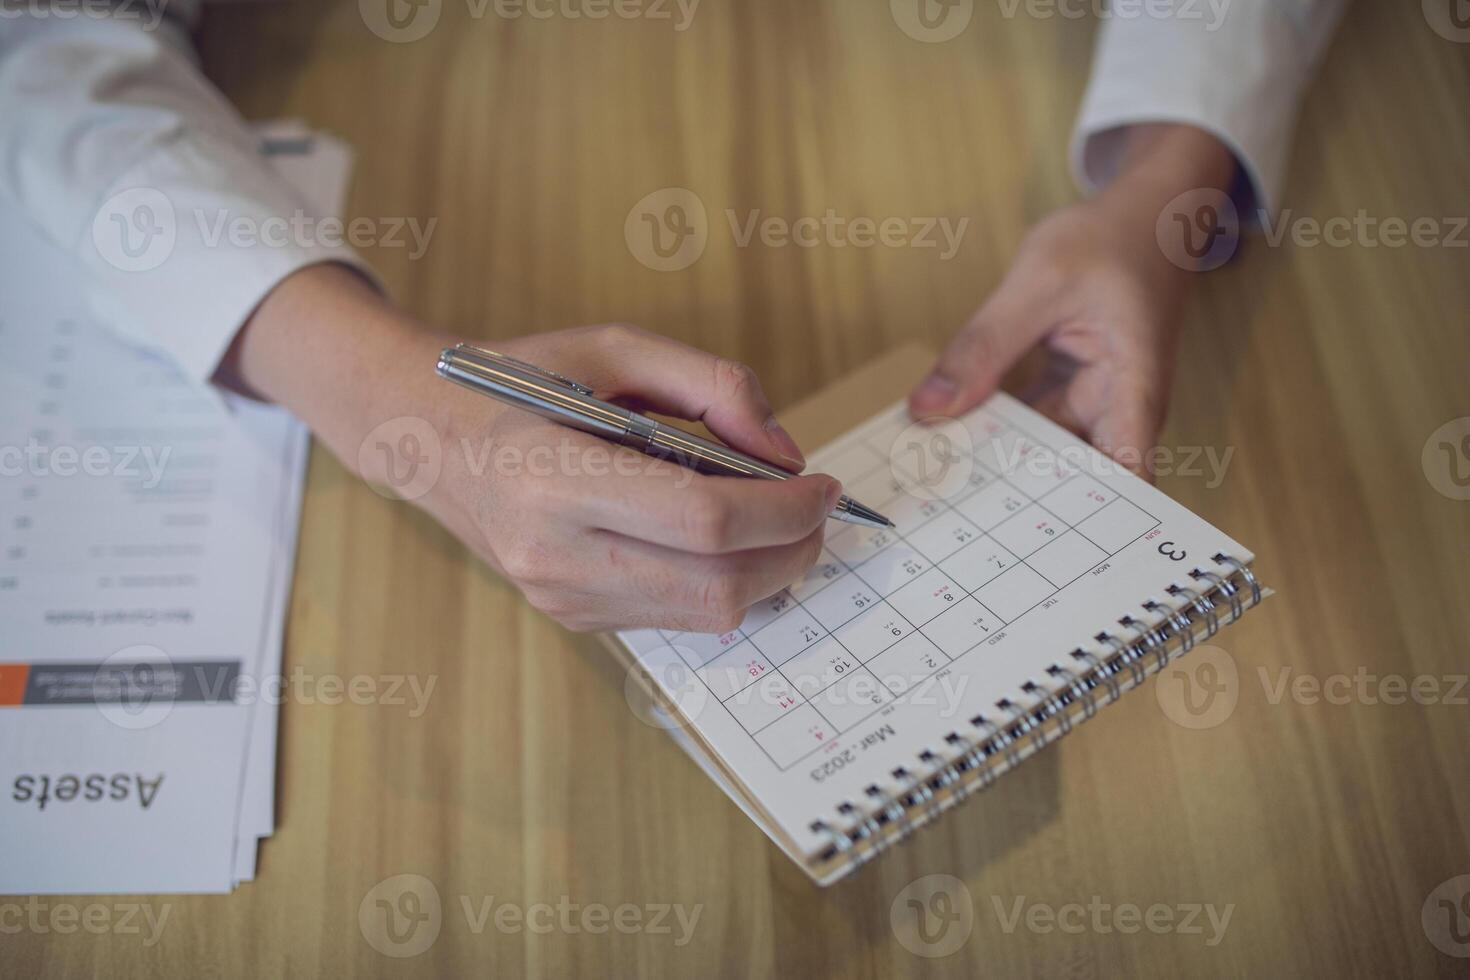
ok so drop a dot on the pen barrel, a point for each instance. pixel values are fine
(696, 453)
(532, 394)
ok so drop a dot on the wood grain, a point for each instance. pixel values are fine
(527, 778)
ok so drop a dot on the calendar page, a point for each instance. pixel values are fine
(1016, 544)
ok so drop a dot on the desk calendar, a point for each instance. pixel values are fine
(1029, 581)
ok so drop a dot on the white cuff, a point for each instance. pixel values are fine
(1239, 76)
(118, 150)
(188, 242)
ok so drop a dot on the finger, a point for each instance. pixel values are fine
(1055, 405)
(596, 485)
(972, 366)
(689, 383)
(706, 593)
(1053, 394)
(1128, 426)
(659, 502)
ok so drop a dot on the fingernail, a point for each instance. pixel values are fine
(834, 494)
(784, 445)
(936, 392)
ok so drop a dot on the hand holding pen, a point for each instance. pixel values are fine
(595, 535)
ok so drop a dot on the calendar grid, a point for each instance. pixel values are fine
(826, 632)
(850, 551)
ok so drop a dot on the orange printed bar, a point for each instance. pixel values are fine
(13, 684)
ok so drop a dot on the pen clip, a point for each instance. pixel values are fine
(552, 376)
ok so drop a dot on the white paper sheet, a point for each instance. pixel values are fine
(147, 538)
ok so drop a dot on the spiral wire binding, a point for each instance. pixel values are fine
(1021, 729)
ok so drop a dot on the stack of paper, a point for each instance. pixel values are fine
(147, 537)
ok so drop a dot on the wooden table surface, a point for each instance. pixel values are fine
(1321, 828)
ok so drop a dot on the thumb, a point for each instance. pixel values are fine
(972, 366)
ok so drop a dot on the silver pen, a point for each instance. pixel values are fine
(568, 403)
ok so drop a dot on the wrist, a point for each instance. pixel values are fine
(339, 355)
(1160, 161)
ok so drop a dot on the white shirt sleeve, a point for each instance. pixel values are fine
(115, 146)
(1235, 68)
